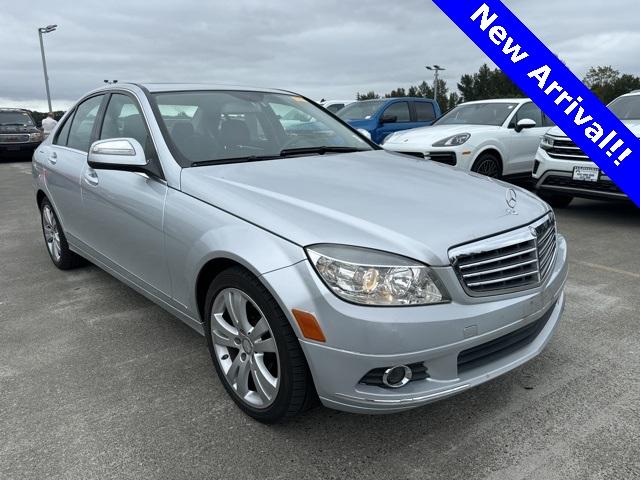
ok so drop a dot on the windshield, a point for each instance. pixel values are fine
(215, 126)
(626, 108)
(15, 118)
(478, 114)
(360, 110)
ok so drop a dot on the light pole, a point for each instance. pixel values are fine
(436, 69)
(47, 29)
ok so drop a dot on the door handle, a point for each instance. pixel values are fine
(91, 177)
(53, 158)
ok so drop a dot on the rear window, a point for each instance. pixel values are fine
(425, 112)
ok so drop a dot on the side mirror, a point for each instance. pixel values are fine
(117, 154)
(388, 119)
(524, 124)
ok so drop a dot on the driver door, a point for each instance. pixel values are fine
(523, 145)
(123, 211)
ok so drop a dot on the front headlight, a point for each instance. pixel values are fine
(453, 141)
(546, 143)
(370, 277)
(35, 137)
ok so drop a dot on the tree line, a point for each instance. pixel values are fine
(605, 82)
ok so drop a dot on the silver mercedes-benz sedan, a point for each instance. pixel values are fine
(316, 264)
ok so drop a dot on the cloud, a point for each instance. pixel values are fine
(330, 49)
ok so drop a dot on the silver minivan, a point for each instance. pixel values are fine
(316, 264)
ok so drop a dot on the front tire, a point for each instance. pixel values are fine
(55, 239)
(488, 164)
(254, 350)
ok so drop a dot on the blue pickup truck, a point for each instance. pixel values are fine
(384, 116)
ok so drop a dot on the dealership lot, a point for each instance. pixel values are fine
(98, 382)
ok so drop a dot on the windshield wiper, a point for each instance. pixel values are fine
(287, 152)
(248, 158)
(11, 124)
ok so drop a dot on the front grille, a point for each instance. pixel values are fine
(14, 138)
(374, 377)
(567, 150)
(448, 158)
(501, 347)
(414, 154)
(513, 261)
(568, 182)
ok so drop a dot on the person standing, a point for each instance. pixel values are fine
(48, 124)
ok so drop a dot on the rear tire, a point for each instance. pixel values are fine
(55, 239)
(254, 350)
(488, 164)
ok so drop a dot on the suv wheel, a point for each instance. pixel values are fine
(56, 242)
(489, 165)
(254, 350)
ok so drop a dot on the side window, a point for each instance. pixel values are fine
(547, 122)
(425, 112)
(82, 125)
(399, 110)
(335, 107)
(63, 133)
(531, 111)
(123, 119)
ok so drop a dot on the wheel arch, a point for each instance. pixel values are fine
(493, 150)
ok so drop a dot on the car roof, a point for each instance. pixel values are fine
(194, 87)
(499, 100)
(13, 110)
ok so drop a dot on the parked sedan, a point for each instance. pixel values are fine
(315, 264)
(497, 138)
(380, 118)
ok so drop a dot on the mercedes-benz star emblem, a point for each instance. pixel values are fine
(512, 200)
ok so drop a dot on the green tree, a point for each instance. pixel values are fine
(607, 83)
(487, 83)
(371, 95)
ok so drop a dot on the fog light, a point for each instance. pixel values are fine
(396, 377)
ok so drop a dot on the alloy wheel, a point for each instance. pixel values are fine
(488, 167)
(245, 348)
(51, 233)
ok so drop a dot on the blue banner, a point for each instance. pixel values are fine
(552, 86)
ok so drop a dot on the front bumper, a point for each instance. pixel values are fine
(360, 338)
(18, 147)
(556, 176)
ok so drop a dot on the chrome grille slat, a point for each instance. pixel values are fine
(491, 260)
(504, 279)
(513, 261)
(495, 270)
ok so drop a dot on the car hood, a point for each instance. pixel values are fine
(435, 133)
(375, 199)
(633, 125)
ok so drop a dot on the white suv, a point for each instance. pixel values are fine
(563, 171)
(497, 138)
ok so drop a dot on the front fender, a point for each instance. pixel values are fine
(197, 233)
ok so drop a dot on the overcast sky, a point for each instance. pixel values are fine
(328, 48)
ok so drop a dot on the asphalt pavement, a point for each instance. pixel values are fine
(98, 382)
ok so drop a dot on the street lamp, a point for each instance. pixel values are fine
(41, 30)
(436, 69)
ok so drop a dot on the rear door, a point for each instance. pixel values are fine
(123, 211)
(424, 113)
(64, 160)
(400, 110)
